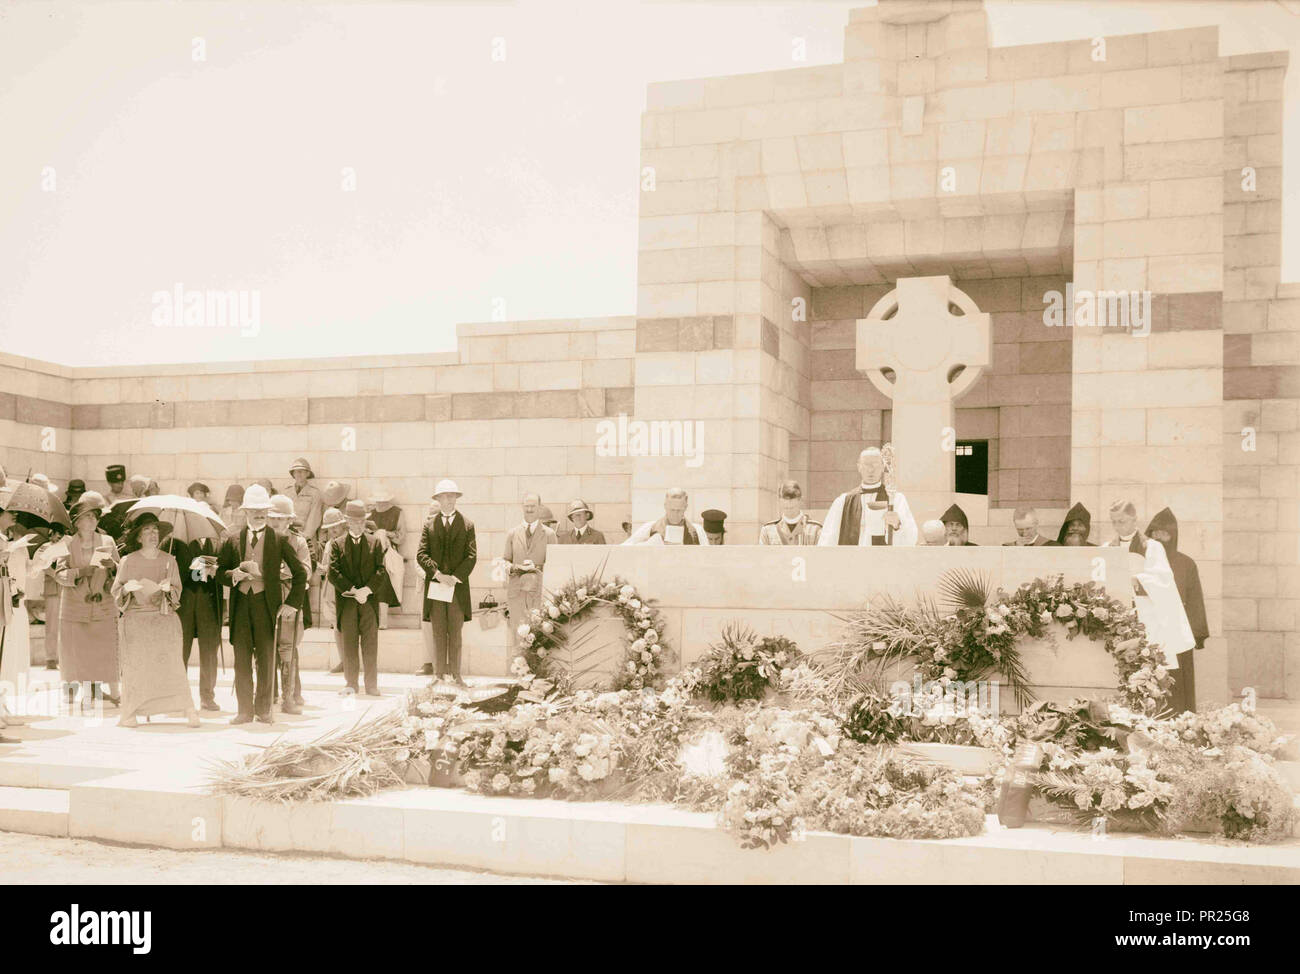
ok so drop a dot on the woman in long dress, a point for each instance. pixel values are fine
(52, 593)
(87, 615)
(15, 635)
(148, 591)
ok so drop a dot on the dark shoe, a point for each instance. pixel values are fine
(264, 719)
(241, 719)
(289, 707)
(337, 669)
(425, 670)
(51, 664)
(209, 705)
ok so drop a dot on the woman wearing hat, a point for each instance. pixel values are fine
(148, 591)
(51, 593)
(87, 615)
(387, 518)
(232, 510)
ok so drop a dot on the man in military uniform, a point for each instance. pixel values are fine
(714, 525)
(308, 502)
(580, 530)
(793, 527)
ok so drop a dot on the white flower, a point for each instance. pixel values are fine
(522, 631)
(646, 658)
(634, 603)
(651, 636)
(626, 592)
(552, 611)
(581, 595)
(548, 628)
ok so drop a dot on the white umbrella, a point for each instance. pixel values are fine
(190, 519)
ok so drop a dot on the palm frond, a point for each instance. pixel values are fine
(965, 588)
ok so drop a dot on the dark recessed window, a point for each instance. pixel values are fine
(972, 462)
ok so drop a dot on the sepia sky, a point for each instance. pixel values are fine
(126, 166)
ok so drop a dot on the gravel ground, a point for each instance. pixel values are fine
(43, 860)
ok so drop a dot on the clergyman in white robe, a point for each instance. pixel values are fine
(1159, 607)
(873, 522)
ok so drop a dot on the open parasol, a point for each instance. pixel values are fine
(190, 519)
(40, 507)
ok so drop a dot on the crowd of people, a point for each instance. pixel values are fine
(123, 601)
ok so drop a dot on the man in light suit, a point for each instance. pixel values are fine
(526, 553)
(448, 552)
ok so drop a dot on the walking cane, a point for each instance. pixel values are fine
(275, 650)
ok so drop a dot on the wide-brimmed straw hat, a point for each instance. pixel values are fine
(142, 521)
(91, 502)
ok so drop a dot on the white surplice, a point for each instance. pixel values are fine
(1161, 609)
(873, 522)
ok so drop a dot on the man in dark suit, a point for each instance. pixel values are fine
(250, 565)
(580, 530)
(447, 553)
(356, 571)
(200, 610)
(1025, 521)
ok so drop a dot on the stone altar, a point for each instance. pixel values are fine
(802, 593)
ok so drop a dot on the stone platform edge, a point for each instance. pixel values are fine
(615, 842)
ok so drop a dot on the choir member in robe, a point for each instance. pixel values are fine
(1156, 596)
(673, 527)
(862, 515)
(1164, 528)
(1025, 520)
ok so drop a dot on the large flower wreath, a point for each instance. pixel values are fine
(646, 652)
(978, 633)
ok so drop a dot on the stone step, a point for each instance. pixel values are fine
(35, 811)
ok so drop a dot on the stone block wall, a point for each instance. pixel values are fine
(1261, 387)
(515, 409)
(35, 418)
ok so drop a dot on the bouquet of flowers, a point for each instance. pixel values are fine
(740, 666)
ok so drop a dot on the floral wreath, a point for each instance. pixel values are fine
(983, 632)
(646, 651)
